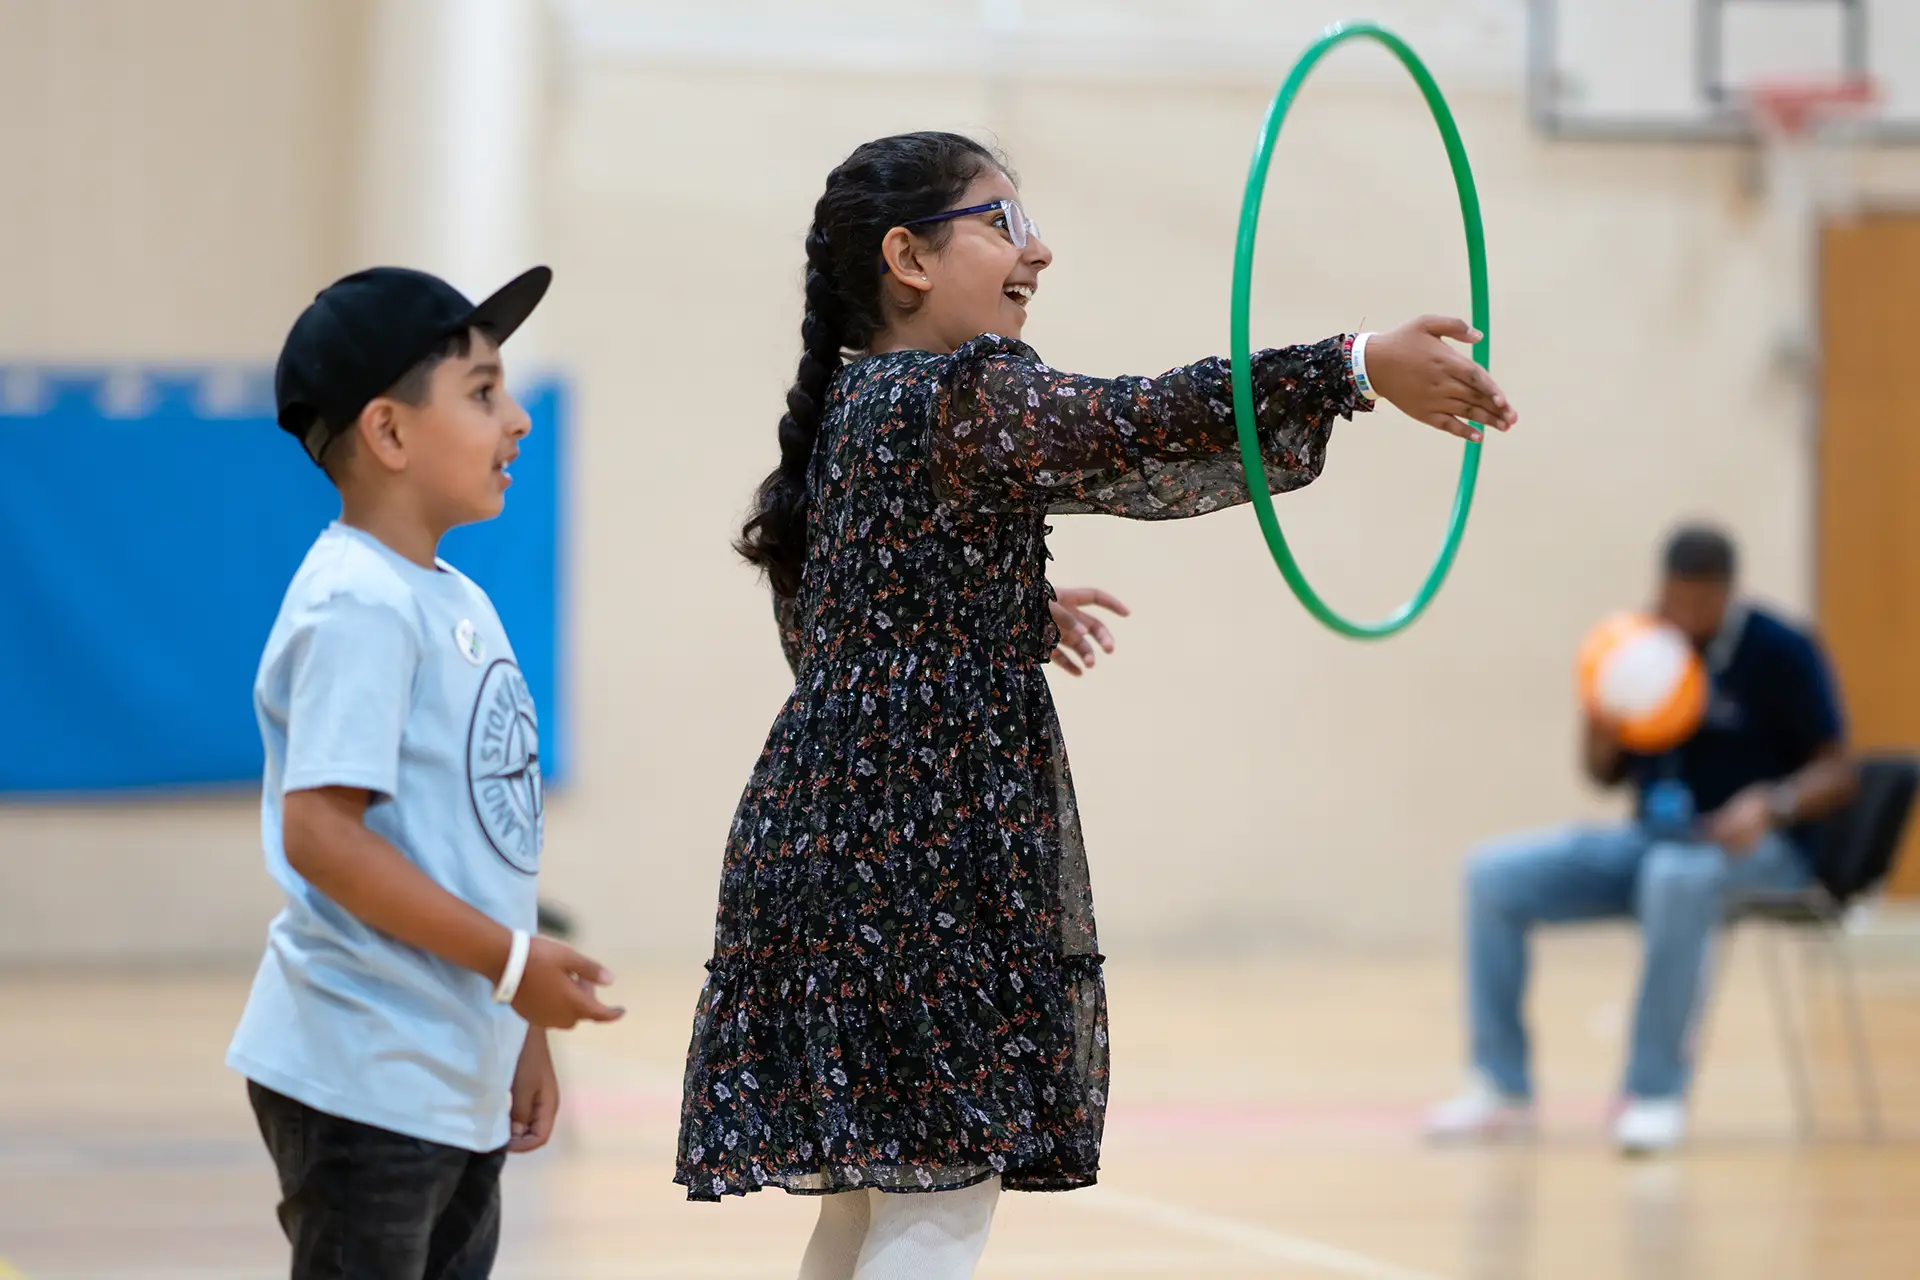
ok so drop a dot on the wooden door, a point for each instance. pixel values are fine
(1869, 484)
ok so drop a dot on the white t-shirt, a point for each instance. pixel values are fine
(399, 680)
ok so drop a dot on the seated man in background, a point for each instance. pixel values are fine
(1766, 763)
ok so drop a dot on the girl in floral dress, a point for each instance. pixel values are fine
(904, 1011)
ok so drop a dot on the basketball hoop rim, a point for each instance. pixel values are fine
(1789, 106)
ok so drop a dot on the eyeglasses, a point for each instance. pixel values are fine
(1020, 228)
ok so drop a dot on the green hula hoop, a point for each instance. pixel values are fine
(1243, 412)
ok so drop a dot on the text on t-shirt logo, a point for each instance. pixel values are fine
(503, 767)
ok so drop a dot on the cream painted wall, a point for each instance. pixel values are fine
(174, 181)
(174, 171)
(1246, 778)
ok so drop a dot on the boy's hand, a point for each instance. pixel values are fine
(1080, 630)
(1414, 369)
(557, 988)
(536, 1094)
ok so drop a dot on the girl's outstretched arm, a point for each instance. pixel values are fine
(1011, 433)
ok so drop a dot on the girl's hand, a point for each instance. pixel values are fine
(1080, 630)
(1415, 370)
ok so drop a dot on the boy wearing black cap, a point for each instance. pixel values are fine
(386, 1042)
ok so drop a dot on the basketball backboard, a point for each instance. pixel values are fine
(1678, 70)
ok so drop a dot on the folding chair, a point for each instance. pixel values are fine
(1856, 850)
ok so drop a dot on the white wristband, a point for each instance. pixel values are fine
(516, 968)
(1359, 368)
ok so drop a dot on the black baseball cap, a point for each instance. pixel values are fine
(362, 333)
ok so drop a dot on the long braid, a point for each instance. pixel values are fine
(775, 537)
(881, 185)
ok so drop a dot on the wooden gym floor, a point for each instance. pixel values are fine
(1263, 1125)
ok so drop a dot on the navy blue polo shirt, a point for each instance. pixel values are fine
(1773, 704)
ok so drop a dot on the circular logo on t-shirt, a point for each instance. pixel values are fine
(503, 766)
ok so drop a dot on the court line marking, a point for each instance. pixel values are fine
(1264, 1242)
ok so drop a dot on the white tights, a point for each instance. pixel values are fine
(922, 1235)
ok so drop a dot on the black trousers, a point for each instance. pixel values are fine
(360, 1203)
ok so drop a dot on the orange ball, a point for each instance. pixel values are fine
(1642, 676)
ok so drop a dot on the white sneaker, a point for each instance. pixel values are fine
(1648, 1125)
(1481, 1114)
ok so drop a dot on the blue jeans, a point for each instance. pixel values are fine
(1678, 891)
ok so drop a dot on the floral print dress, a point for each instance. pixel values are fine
(905, 989)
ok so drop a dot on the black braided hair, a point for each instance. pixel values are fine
(880, 186)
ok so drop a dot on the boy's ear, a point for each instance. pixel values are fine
(382, 432)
